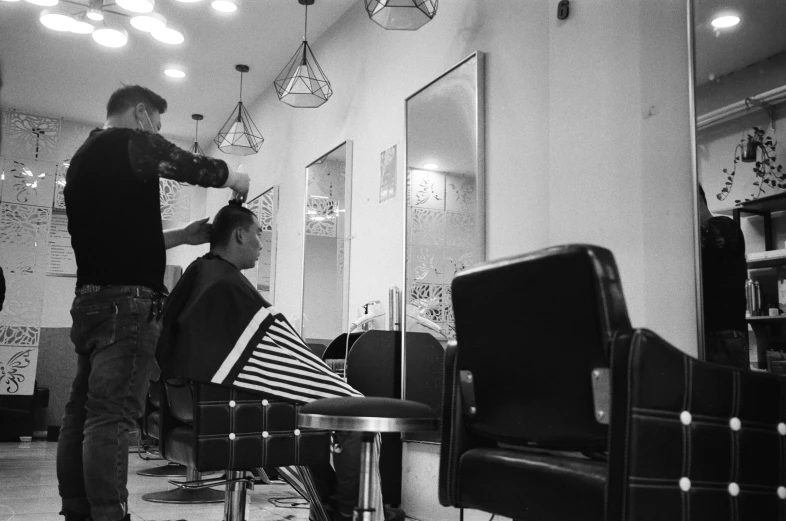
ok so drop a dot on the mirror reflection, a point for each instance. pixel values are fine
(326, 246)
(740, 87)
(263, 274)
(445, 219)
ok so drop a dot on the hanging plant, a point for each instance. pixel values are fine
(757, 148)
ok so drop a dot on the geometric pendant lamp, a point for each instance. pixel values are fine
(302, 83)
(401, 15)
(195, 148)
(239, 135)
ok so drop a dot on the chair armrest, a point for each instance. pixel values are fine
(692, 437)
(456, 438)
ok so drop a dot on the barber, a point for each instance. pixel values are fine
(114, 218)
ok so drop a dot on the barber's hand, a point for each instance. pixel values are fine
(240, 186)
(197, 232)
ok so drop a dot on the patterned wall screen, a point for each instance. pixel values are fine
(441, 240)
(34, 159)
(263, 274)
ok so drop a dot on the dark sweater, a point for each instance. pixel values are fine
(112, 202)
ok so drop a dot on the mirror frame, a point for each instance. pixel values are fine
(694, 167)
(480, 147)
(346, 236)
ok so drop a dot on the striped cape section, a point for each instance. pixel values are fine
(271, 358)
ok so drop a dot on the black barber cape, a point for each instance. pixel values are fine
(218, 329)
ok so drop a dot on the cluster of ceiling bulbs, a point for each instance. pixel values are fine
(91, 21)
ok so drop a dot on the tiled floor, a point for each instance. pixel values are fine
(28, 491)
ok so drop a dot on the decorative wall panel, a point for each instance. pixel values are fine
(428, 226)
(17, 370)
(266, 210)
(28, 181)
(460, 193)
(175, 201)
(31, 137)
(60, 182)
(321, 215)
(426, 189)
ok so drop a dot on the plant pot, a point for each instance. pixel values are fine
(749, 149)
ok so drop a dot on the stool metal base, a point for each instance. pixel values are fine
(185, 496)
(170, 470)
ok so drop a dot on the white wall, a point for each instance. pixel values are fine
(587, 141)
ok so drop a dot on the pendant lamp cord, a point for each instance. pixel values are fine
(241, 85)
(196, 134)
(305, 29)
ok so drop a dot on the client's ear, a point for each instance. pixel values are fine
(239, 235)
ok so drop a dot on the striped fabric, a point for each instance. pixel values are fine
(271, 358)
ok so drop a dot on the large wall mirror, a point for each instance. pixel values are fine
(740, 89)
(263, 275)
(445, 207)
(326, 246)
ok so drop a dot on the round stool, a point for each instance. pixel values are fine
(369, 416)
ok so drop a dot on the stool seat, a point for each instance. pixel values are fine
(371, 414)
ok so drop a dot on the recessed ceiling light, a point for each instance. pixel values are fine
(56, 20)
(168, 35)
(137, 6)
(148, 22)
(431, 166)
(175, 73)
(13, 0)
(724, 22)
(44, 3)
(110, 36)
(189, 1)
(225, 6)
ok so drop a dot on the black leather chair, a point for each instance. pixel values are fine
(150, 432)
(556, 409)
(211, 428)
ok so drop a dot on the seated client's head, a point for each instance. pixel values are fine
(235, 236)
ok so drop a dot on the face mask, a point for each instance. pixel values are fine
(150, 126)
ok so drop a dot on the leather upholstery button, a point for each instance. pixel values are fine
(231, 435)
(782, 429)
(782, 492)
(232, 403)
(735, 424)
(265, 434)
(734, 489)
(685, 417)
(297, 432)
(684, 484)
(265, 403)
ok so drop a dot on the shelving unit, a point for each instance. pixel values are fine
(764, 326)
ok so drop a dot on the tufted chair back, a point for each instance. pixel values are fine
(211, 428)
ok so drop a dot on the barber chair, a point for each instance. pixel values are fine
(150, 428)
(577, 416)
(212, 428)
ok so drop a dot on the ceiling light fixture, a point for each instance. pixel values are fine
(175, 73)
(57, 20)
(137, 6)
(302, 83)
(81, 25)
(224, 6)
(9, 0)
(189, 1)
(401, 15)
(195, 148)
(110, 36)
(44, 3)
(239, 135)
(95, 10)
(726, 21)
(148, 22)
(169, 35)
(431, 166)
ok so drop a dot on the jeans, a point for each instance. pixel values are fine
(115, 331)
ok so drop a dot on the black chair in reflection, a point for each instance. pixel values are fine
(556, 409)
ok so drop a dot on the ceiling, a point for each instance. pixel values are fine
(759, 35)
(68, 75)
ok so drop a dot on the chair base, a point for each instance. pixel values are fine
(170, 470)
(185, 496)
